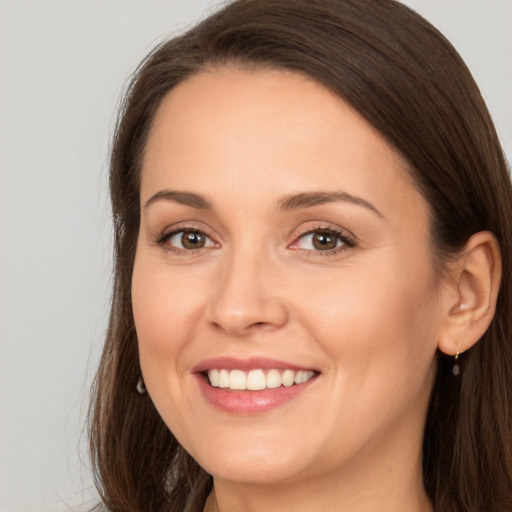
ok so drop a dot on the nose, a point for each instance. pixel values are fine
(248, 296)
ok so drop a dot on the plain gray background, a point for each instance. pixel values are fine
(63, 65)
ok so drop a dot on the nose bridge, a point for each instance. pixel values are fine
(246, 296)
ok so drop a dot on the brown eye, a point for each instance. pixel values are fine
(193, 240)
(324, 241)
(189, 240)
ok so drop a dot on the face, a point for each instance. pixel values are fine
(283, 250)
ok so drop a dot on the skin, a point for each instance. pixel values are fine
(368, 316)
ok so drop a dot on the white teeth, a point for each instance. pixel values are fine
(288, 377)
(223, 379)
(213, 375)
(273, 379)
(303, 376)
(257, 379)
(237, 380)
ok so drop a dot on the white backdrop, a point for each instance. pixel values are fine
(62, 68)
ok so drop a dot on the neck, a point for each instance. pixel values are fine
(260, 502)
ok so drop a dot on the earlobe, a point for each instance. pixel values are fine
(474, 286)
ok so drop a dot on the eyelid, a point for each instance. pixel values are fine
(312, 226)
(162, 236)
(347, 238)
(181, 232)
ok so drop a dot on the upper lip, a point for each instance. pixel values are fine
(253, 363)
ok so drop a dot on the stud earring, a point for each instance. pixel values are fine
(456, 367)
(141, 387)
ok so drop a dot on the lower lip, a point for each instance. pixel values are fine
(250, 402)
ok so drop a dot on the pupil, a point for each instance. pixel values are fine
(323, 241)
(192, 240)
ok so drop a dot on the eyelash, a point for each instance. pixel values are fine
(162, 239)
(347, 241)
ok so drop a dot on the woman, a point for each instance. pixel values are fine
(311, 304)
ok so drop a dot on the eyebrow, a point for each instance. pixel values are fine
(310, 199)
(285, 203)
(186, 198)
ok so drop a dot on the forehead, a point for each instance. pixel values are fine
(265, 133)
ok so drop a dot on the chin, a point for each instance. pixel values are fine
(254, 462)
(254, 471)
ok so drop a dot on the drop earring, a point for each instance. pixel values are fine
(456, 367)
(141, 387)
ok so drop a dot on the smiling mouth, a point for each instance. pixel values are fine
(258, 379)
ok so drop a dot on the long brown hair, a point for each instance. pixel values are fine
(406, 79)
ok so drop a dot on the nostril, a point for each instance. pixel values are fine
(259, 325)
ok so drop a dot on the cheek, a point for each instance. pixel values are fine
(164, 300)
(166, 312)
(376, 316)
(379, 333)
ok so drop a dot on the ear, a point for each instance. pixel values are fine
(470, 294)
